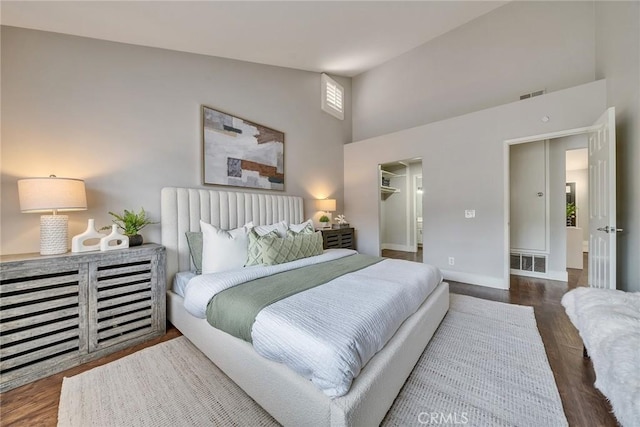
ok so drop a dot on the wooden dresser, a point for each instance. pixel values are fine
(333, 238)
(63, 310)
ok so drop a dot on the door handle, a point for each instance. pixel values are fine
(608, 229)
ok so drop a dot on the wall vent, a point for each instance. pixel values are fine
(528, 262)
(532, 94)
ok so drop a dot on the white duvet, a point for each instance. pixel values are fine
(328, 333)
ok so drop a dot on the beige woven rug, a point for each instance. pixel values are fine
(485, 366)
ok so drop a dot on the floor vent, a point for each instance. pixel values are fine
(528, 262)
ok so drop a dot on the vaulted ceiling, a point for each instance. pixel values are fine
(339, 37)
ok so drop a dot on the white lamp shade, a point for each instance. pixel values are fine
(51, 194)
(327, 205)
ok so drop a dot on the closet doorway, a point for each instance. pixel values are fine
(401, 209)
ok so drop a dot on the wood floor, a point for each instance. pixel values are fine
(409, 256)
(36, 404)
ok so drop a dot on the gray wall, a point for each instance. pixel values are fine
(126, 119)
(618, 60)
(518, 48)
(463, 161)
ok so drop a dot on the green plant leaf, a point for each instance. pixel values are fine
(131, 222)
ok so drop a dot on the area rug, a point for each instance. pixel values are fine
(485, 366)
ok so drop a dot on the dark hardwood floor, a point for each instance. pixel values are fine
(36, 404)
(409, 256)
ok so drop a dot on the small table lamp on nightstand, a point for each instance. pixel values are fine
(52, 194)
(327, 206)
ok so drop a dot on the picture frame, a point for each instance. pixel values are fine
(241, 153)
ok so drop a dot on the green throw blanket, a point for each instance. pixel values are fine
(235, 309)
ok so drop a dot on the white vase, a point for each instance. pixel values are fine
(78, 243)
(121, 241)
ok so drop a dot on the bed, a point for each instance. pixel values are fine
(287, 396)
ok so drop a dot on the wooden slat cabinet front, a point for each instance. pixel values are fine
(339, 238)
(60, 311)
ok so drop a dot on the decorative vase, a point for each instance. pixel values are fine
(121, 241)
(135, 240)
(79, 242)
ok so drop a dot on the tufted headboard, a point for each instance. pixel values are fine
(183, 208)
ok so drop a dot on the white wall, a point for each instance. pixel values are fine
(617, 38)
(126, 119)
(521, 47)
(463, 166)
(518, 48)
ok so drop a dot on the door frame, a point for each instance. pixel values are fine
(415, 208)
(507, 184)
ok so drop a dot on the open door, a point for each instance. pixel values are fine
(602, 202)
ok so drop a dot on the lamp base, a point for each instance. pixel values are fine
(54, 234)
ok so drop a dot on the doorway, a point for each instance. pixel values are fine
(401, 207)
(545, 240)
(577, 206)
(600, 139)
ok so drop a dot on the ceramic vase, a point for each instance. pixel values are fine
(120, 241)
(79, 242)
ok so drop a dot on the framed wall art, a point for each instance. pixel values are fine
(241, 153)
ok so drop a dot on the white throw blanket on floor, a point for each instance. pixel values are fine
(609, 324)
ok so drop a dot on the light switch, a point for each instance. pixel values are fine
(470, 213)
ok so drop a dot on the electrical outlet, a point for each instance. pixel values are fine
(470, 213)
(452, 260)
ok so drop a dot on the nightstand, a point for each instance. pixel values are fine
(64, 310)
(333, 238)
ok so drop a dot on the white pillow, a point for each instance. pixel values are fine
(280, 228)
(223, 250)
(297, 228)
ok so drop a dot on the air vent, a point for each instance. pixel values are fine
(528, 262)
(532, 94)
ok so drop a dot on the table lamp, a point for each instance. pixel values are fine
(52, 194)
(326, 205)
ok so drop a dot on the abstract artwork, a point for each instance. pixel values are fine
(241, 153)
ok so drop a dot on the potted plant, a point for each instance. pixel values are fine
(131, 223)
(571, 214)
(324, 220)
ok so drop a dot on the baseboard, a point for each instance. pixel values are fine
(396, 247)
(475, 279)
(561, 276)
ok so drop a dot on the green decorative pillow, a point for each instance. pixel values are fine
(304, 228)
(257, 244)
(194, 240)
(295, 246)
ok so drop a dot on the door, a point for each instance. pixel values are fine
(602, 202)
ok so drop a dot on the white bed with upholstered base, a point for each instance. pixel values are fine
(287, 396)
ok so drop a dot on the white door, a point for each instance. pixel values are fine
(602, 202)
